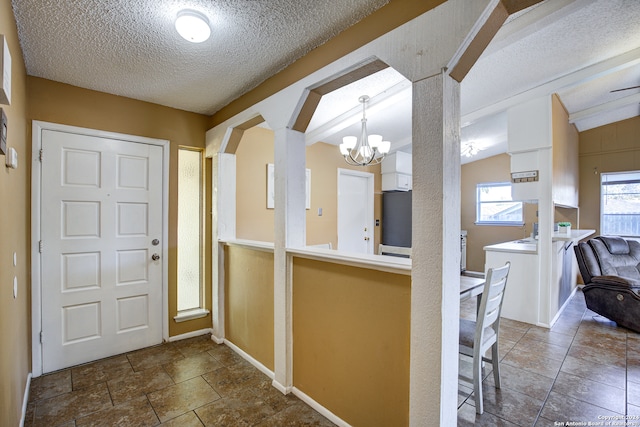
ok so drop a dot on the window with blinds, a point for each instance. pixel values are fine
(494, 205)
(620, 204)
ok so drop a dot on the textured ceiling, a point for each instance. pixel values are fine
(130, 47)
(578, 49)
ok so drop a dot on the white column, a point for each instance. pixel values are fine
(223, 199)
(435, 279)
(290, 231)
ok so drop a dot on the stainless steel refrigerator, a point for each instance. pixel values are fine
(396, 218)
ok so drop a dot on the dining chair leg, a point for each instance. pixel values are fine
(496, 364)
(477, 382)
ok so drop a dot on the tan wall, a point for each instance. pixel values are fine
(492, 169)
(255, 222)
(610, 148)
(15, 314)
(565, 156)
(60, 103)
(249, 302)
(351, 332)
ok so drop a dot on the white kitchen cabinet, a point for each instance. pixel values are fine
(396, 182)
(528, 297)
(396, 172)
(398, 162)
(521, 296)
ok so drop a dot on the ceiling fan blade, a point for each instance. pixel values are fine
(626, 88)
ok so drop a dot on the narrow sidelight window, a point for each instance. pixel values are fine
(190, 232)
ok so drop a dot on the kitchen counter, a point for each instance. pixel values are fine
(524, 246)
(574, 236)
(530, 246)
(529, 296)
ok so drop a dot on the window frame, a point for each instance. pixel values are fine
(479, 203)
(200, 311)
(603, 176)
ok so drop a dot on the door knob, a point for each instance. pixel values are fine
(155, 257)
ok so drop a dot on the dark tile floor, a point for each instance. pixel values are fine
(187, 383)
(584, 369)
(581, 370)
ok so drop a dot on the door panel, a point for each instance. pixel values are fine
(355, 211)
(101, 209)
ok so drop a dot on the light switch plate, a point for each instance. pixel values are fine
(11, 158)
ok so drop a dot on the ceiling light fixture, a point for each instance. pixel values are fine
(369, 149)
(193, 26)
(469, 149)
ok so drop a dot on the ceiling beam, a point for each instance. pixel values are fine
(390, 96)
(537, 19)
(481, 39)
(483, 35)
(513, 6)
(604, 108)
(567, 81)
(315, 93)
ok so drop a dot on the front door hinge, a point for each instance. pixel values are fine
(41, 154)
(41, 337)
(40, 246)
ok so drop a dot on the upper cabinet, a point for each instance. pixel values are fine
(540, 138)
(396, 172)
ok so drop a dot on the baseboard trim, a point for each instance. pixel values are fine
(282, 389)
(25, 400)
(286, 390)
(268, 372)
(321, 409)
(191, 334)
(217, 340)
(564, 305)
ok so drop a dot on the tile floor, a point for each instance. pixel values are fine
(583, 368)
(193, 382)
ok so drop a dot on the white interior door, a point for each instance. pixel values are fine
(355, 211)
(101, 263)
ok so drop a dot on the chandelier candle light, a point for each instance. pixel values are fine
(369, 149)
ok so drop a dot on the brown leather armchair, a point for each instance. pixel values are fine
(610, 268)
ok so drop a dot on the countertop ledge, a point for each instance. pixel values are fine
(528, 246)
(575, 235)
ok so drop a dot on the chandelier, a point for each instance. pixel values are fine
(369, 149)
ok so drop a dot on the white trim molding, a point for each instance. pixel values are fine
(191, 334)
(321, 409)
(268, 372)
(25, 400)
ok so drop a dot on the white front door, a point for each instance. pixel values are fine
(355, 211)
(101, 250)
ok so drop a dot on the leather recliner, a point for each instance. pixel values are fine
(610, 268)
